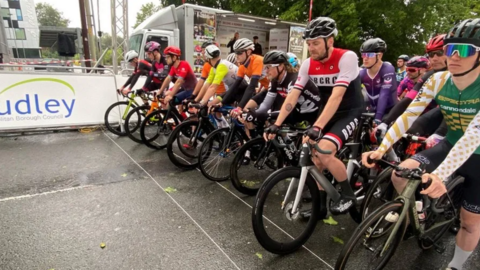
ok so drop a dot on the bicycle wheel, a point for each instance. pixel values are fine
(275, 227)
(216, 155)
(155, 129)
(430, 237)
(182, 147)
(360, 257)
(133, 121)
(380, 192)
(116, 111)
(252, 164)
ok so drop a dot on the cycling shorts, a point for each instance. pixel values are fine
(154, 86)
(433, 157)
(341, 127)
(182, 95)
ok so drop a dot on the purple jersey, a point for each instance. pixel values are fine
(405, 84)
(381, 89)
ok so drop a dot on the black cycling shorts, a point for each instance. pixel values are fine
(341, 127)
(433, 157)
(154, 86)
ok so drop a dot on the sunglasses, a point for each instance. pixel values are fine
(271, 66)
(437, 53)
(463, 50)
(239, 52)
(368, 55)
(412, 69)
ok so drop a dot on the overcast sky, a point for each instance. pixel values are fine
(71, 10)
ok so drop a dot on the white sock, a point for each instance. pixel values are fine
(459, 258)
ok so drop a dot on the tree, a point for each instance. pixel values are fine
(50, 16)
(146, 11)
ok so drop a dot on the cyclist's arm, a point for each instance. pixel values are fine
(348, 72)
(288, 105)
(397, 110)
(142, 70)
(442, 129)
(176, 86)
(269, 99)
(165, 84)
(213, 81)
(257, 67)
(461, 151)
(229, 96)
(401, 86)
(386, 92)
(404, 122)
(148, 81)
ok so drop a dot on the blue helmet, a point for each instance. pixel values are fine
(292, 59)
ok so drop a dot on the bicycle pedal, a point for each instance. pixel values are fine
(440, 248)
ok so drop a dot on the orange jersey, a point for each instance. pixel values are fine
(205, 72)
(253, 68)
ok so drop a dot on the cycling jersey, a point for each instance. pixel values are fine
(380, 89)
(206, 72)
(157, 74)
(461, 110)
(341, 69)
(224, 73)
(401, 75)
(253, 68)
(142, 68)
(184, 71)
(406, 84)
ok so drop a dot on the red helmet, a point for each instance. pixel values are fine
(435, 43)
(172, 50)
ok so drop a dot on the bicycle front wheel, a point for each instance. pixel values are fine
(133, 121)
(364, 248)
(115, 116)
(184, 144)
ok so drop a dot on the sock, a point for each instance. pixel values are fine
(347, 189)
(459, 258)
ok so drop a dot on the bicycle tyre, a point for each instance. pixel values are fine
(114, 128)
(238, 160)
(151, 141)
(129, 130)
(174, 158)
(384, 177)
(365, 226)
(257, 213)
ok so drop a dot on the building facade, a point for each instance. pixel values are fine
(21, 28)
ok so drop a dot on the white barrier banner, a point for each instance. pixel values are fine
(43, 100)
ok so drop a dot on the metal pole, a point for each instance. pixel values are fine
(310, 13)
(99, 30)
(114, 36)
(91, 38)
(84, 32)
(125, 25)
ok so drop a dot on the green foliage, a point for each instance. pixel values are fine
(47, 15)
(146, 11)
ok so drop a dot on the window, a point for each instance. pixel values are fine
(163, 41)
(20, 33)
(14, 4)
(7, 24)
(135, 43)
(19, 15)
(5, 13)
(15, 24)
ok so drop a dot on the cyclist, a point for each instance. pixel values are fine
(205, 71)
(182, 72)
(401, 72)
(293, 61)
(457, 92)
(141, 67)
(378, 77)
(416, 68)
(159, 70)
(251, 65)
(335, 72)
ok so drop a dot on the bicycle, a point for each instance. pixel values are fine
(135, 117)
(393, 217)
(122, 108)
(219, 146)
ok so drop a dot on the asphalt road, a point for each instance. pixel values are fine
(64, 194)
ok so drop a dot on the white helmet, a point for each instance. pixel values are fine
(232, 58)
(243, 44)
(212, 51)
(130, 55)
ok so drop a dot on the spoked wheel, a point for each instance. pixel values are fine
(380, 192)
(155, 129)
(134, 120)
(185, 142)
(115, 116)
(252, 164)
(366, 247)
(217, 152)
(278, 227)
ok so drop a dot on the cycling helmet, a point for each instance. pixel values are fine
(152, 46)
(292, 59)
(129, 56)
(206, 43)
(212, 51)
(466, 31)
(374, 45)
(321, 27)
(243, 44)
(232, 58)
(172, 50)
(435, 43)
(418, 62)
(275, 57)
(404, 57)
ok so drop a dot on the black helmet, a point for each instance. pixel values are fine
(321, 27)
(466, 31)
(206, 43)
(404, 57)
(374, 45)
(275, 57)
